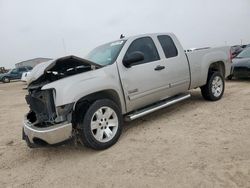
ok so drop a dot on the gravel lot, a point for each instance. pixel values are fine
(192, 144)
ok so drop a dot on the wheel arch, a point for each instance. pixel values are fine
(84, 102)
(218, 66)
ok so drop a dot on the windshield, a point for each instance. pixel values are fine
(244, 54)
(106, 54)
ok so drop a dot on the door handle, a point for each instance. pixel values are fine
(159, 67)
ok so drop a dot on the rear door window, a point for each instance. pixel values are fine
(168, 46)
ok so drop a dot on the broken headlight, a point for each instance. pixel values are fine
(64, 110)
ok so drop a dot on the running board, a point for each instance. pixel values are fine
(158, 106)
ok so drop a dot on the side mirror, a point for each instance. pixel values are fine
(133, 58)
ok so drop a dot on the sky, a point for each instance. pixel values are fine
(55, 28)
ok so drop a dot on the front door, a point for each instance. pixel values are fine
(145, 82)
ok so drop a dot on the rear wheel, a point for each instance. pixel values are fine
(214, 89)
(101, 125)
(6, 80)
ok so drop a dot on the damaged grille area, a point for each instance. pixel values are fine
(42, 108)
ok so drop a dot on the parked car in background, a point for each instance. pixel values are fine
(235, 50)
(247, 46)
(25, 76)
(14, 74)
(241, 65)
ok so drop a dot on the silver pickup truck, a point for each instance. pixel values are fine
(121, 80)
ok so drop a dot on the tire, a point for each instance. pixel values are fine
(101, 125)
(214, 89)
(230, 77)
(6, 80)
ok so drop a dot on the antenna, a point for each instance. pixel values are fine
(64, 46)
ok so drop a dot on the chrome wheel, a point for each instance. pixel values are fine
(104, 124)
(217, 86)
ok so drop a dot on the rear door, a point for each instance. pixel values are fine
(177, 72)
(145, 82)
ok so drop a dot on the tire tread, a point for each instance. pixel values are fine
(85, 132)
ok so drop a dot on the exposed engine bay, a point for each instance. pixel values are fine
(41, 102)
(62, 68)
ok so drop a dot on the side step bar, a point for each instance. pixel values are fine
(158, 106)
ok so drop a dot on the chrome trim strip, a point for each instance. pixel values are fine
(136, 96)
(179, 83)
(151, 109)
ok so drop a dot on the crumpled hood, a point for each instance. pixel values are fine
(38, 70)
(63, 67)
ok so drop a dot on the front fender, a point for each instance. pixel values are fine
(72, 89)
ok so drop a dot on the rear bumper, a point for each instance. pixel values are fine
(50, 135)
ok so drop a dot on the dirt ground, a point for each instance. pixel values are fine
(192, 144)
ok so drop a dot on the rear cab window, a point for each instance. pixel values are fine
(168, 46)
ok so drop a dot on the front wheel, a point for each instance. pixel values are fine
(214, 89)
(101, 126)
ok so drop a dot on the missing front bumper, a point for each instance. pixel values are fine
(51, 135)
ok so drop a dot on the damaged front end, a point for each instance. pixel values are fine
(47, 123)
(44, 125)
(42, 107)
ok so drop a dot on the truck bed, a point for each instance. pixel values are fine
(199, 61)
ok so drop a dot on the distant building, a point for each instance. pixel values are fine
(32, 62)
